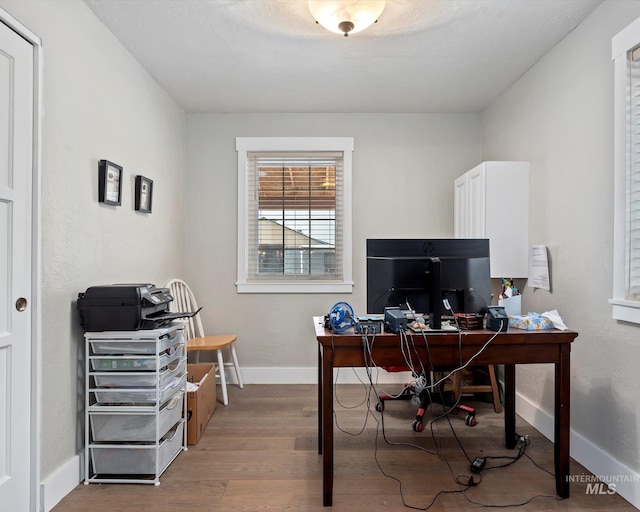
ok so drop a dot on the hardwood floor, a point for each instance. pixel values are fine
(260, 453)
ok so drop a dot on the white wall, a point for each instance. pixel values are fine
(98, 104)
(403, 171)
(559, 116)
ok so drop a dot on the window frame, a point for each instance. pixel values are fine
(246, 145)
(621, 44)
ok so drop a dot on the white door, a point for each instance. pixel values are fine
(460, 209)
(16, 143)
(476, 198)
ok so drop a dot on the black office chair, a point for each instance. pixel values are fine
(426, 398)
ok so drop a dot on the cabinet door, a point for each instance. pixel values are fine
(507, 217)
(460, 210)
(476, 202)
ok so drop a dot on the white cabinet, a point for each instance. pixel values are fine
(135, 403)
(492, 201)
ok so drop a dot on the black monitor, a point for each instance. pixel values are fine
(420, 273)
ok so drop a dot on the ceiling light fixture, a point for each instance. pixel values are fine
(346, 16)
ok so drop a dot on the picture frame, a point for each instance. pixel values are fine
(109, 183)
(144, 194)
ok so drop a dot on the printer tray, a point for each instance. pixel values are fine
(162, 319)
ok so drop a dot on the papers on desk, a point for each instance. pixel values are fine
(539, 268)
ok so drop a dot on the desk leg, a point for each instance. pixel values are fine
(562, 422)
(510, 405)
(319, 398)
(327, 426)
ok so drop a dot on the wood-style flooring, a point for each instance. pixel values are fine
(260, 453)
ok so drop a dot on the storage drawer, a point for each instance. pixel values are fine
(120, 364)
(137, 427)
(140, 396)
(141, 380)
(136, 346)
(138, 460)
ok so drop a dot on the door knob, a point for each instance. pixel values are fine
(21, 304)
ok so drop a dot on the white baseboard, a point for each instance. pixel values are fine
(592, 457)
(60, 483)
(309, 375)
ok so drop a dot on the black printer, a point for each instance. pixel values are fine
(126, 307)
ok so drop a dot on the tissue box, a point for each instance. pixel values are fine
(530, 322)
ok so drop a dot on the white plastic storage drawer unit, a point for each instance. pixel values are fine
(135, 403)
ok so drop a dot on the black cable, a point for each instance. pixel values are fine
(398, 480)
(512, 460)
(365, 400)
(380, 426)
(539, 466)
(335, 391)
(509, 505)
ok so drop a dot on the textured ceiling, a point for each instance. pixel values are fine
(271, 56)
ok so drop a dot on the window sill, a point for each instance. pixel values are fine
(295, 287)
(626, 310)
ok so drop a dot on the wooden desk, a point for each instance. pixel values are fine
(509, 348)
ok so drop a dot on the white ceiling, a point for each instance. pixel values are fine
(271, 56)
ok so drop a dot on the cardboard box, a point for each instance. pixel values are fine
(202, 402)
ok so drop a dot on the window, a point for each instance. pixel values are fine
(294, 215)
(626, 265)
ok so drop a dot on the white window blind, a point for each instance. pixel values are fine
(633, 186)
(295, 215)
(626, 228)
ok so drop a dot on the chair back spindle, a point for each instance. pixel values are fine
(184, 300)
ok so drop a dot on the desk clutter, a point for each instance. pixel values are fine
(427, 387)
(342, 318)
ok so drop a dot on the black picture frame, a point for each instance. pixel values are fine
(144, 194)
(109, 183)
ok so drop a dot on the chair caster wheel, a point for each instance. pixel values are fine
(470, 420)
(379, 407)
(418, 426)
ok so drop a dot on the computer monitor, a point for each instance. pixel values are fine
(420, 273)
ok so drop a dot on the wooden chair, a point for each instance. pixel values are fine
(197, 341)
(459, 387)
